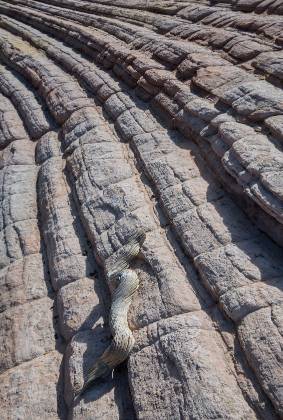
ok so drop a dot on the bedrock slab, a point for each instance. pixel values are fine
(32, 390)
(172, 372)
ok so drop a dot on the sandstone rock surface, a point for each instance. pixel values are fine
(117, 116)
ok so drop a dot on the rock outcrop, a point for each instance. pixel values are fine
(157, 116)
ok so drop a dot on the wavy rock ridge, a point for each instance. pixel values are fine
(125, 116)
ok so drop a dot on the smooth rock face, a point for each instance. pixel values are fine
(161, 116)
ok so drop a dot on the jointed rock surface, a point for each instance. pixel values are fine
(162, 117)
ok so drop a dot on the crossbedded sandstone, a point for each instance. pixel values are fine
(260, 182)
(154, 116)
(27, 104)
(28, 321)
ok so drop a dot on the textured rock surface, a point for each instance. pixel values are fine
(165, 116)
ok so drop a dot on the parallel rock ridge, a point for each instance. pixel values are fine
(163, 117)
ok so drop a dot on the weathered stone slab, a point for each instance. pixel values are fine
(241, 264)
(26, 332)
(238, 303)
(67, 249)
(275, 124)
(79, 307)
(23, 280)
(33, 390)
(11, 126)
(271, 63)
(62, 94)
(28, 103)
(18, 240)
(260, 334)
(108, 398)
(175, 359)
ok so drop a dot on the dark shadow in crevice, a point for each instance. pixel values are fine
(62, 409)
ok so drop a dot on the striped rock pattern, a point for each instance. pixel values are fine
(163, 117)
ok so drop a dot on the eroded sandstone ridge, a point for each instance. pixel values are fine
(160, 116)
